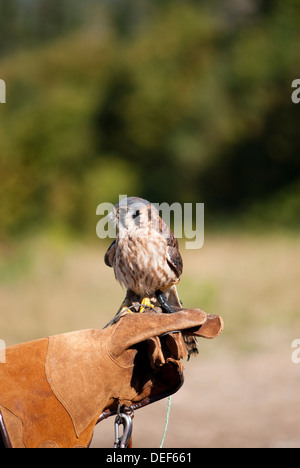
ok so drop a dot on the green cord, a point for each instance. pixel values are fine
(167, 422)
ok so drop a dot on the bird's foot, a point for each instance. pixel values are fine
(145, 303)
(125, 309)
(165, 306)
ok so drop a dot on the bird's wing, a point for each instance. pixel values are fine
(174, 260)
(173, 297)
(110, 254)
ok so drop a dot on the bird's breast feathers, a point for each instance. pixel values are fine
(141, 264)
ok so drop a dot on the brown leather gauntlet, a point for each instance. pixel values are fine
(54, 390)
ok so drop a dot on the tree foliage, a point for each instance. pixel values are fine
(173, 101)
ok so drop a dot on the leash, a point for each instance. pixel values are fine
(124, 440)
(167, 421)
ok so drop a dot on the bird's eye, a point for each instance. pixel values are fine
(136, 214)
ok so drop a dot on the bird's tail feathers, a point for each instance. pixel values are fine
(191, 345)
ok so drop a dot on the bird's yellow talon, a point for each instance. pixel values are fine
(145, 303)
(125, 309)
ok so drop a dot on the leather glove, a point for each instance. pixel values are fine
(54, 390)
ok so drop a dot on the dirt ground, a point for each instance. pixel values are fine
(227, 400)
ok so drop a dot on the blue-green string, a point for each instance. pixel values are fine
(167, 422)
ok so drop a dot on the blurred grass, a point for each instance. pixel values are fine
(54, 285)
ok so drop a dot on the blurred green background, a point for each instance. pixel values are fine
(173, 101)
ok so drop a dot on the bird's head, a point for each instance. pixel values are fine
(131, 214)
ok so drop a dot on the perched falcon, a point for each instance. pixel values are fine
(145, 256)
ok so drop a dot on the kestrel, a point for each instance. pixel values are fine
(145, 256)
